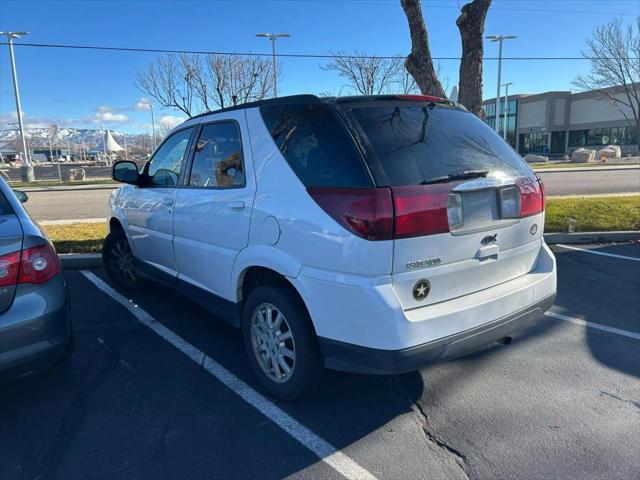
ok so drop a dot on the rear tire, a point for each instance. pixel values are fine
(280, 341)
(118, 262)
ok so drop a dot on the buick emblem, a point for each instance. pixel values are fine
(421, 289)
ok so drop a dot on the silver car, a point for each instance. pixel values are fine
(35, 328)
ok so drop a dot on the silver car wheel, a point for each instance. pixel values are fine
(273, 343)
(122, 261)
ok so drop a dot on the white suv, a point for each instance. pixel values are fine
(368, 234)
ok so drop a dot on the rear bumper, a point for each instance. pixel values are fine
(355, 358)
(36, 329)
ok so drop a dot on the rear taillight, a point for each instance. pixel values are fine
(531, 197)
(9, 268)
(417, 210)
(367, 212)
(387, 213)
(421, 210)
(32, 265)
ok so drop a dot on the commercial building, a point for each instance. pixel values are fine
(557, 123)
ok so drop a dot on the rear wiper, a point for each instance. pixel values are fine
(456, 176)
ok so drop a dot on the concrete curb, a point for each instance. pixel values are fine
(77, 261)
(68, 188)
(592, 237)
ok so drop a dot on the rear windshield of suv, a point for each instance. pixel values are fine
(315, 144)
(417, 144)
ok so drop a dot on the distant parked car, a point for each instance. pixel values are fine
(35, 328)
(368, 234)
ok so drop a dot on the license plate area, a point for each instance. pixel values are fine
(478, 210)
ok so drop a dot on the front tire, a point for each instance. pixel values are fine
(118, 262)
(280, 341)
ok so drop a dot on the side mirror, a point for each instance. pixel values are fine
(21, 196)
(126, 172)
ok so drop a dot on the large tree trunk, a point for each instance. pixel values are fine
(471, 26)
(419, 62)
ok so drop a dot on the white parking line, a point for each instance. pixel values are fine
(597, 326)
(586, 250)
(325, 451)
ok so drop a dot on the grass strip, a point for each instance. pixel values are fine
(593, 214)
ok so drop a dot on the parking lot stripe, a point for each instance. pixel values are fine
(597, 326)
(586, 250)
(342, 463)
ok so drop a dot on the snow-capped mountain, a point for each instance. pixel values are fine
(88, 138)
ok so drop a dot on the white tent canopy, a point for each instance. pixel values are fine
(110, 143)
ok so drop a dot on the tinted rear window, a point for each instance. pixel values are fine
(5, 208)
(418, 144)
(316, 146)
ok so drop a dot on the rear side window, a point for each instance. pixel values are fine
(316, 146)
(417, 145)
(217, 162)
(5, 208)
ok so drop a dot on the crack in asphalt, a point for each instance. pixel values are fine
(604, 393)
(47, 460)
(459, 458)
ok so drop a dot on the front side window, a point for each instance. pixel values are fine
(164, 167)
(217, 162)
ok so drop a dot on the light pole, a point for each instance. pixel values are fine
(499, 39)
(153, 126)
(273, 37)
(506, 108)
(27, 169)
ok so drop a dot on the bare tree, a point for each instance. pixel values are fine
(366, 74)
(194, 84)
(54, 133)
(226, 80)
(170, 80)
(406, 83)
(419, 62)
(614, 51)
(471, 26)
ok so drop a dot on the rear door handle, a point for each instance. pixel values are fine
(236, 205)
(167, 201)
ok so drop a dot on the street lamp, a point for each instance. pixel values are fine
(273, 37)
(506, 108)
(26, 169)
(499, 39)
(153, 126)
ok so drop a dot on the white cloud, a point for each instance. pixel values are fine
(169, 121)
(8, 121)
(143, 103)
(105, 114)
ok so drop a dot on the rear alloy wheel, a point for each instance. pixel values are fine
(272, 342)
(118, 262)
(280, 341)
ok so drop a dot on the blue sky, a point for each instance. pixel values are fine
(85, 88)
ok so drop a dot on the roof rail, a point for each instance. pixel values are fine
(291, 99)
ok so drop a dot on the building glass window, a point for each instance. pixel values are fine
(512, 111)
(602, 136)
(533, 142)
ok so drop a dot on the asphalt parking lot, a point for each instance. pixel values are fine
(156, 388)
